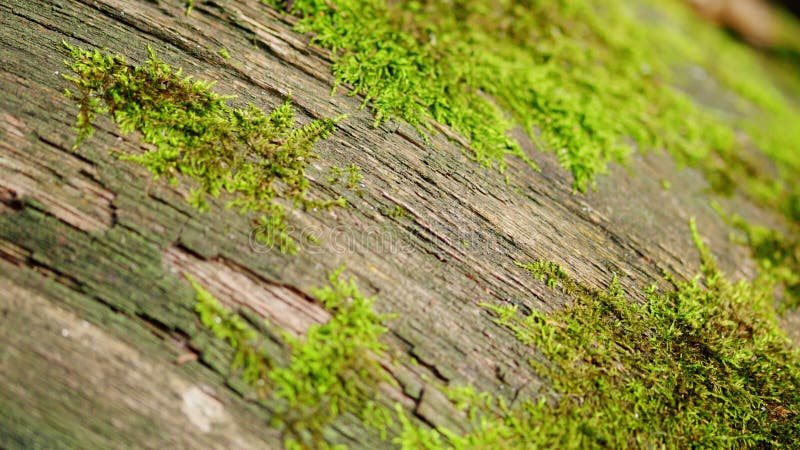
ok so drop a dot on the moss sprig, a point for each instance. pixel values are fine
(230, 327)
(259, 158)
(776, 253)
(351, 176)
(333, 369)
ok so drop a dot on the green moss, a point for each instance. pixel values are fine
(587, 79)
(224, 53)
(332, 369)
(237, 333)
(351, 176)
(413, 437)
(259, 158)
(777, 255)
(766, 87)
(397, 212)
(704, 365)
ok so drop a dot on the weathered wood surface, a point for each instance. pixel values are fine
(94, 309)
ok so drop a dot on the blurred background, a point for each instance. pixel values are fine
(759, 22)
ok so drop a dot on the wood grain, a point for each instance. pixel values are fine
(94, 309)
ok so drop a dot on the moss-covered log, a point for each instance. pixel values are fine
(100, 343)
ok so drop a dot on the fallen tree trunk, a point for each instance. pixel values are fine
(100, 345)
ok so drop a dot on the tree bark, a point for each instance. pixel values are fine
(99, 343)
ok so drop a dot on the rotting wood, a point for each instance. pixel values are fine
(95, 310)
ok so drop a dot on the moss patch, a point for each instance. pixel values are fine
(590, 80)
(259, 158)
(230, 327)
(586, 79)
(704, 365)
(350, 176)
(332, 369)
(777, 255)
(763, 164)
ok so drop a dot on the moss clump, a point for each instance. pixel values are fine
(398, 212)
(777, 255)
(704, 365)
(556, 69)
(259, 158)
(351, 176)
(332, 369)
(237, 333)
(587, 79)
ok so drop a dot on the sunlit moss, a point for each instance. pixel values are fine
(587, 79)
(332, 370)
(764, 110)
(591, 80)
(703, 365)
(225, 324)
(777, 255)
(259, 158)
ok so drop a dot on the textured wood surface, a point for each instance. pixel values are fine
(99, 344)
